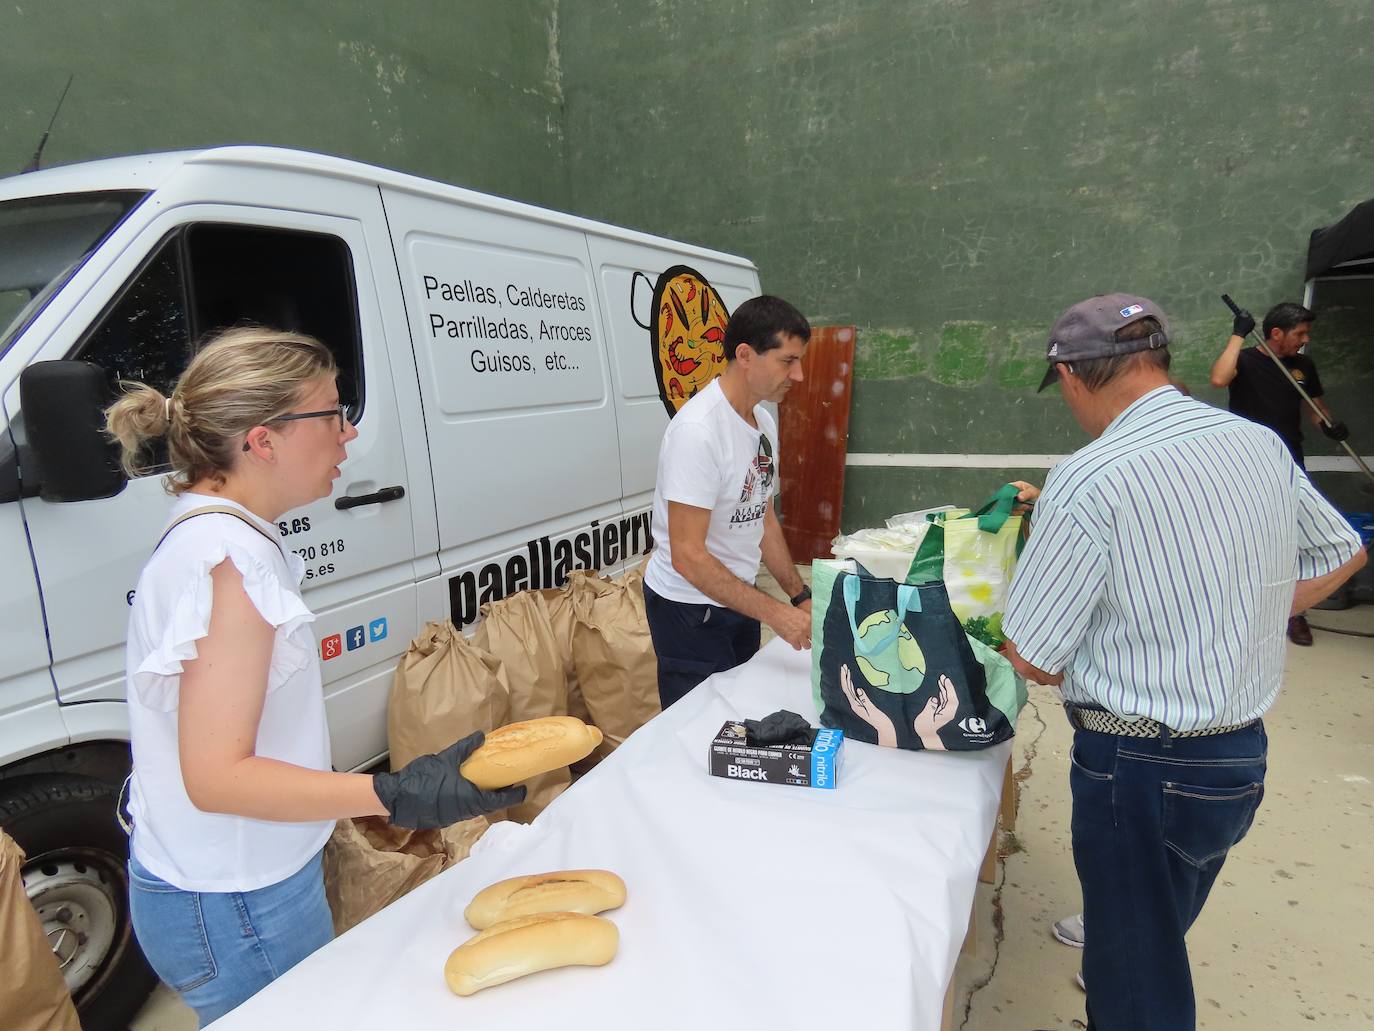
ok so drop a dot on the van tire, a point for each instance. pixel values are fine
(76, 863)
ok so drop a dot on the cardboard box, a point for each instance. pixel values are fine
(815, 764)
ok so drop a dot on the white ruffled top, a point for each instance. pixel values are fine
(188, 848)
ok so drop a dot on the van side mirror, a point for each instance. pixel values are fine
(63, 405)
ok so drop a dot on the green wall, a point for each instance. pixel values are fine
(468, 93)
(947, 175)
(950, 175)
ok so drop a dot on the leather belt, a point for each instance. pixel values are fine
(1100, 721)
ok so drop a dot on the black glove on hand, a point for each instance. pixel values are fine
(1336, 431)
(429, 792)
(1243, 324)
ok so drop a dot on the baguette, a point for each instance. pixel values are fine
(527, 945)
(519, 751)
(562, 891)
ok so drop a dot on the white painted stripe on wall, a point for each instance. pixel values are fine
(1318, 464)
(911, 461)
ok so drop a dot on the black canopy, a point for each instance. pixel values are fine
(1347, 240)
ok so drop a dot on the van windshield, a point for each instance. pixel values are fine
(43, 240)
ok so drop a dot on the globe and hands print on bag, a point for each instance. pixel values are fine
(883, 683)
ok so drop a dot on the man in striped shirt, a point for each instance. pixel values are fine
(1165, 560)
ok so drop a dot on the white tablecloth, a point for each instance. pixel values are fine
(750, 905)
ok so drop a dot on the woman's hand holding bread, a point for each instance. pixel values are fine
(519, 751)
(463, 780)
(431, 792)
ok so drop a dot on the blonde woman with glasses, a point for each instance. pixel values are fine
(232, 793)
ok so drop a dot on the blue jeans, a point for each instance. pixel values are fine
(694, 641)
(1153, 819)
(216, 949)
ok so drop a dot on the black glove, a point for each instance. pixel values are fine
(429, 792)
(781, 728)
(1243, 324)
(1336, 431)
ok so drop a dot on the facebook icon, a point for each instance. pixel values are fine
(355, 638)
(376, 630)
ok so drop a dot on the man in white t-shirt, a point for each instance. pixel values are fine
(713, 511)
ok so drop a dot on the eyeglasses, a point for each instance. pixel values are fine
(339, 412)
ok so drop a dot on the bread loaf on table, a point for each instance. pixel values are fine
(519, 751)
(561, 891)
(527, 945)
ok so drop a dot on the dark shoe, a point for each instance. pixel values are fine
(1299, 632)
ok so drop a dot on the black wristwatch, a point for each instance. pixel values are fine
(804, 595)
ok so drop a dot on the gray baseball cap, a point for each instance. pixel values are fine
(1088, 330)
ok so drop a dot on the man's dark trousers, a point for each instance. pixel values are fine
(695, 641)
(1153, 819)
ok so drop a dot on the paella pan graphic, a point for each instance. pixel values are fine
(686, 334)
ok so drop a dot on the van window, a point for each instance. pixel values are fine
(43, 240)
(145, 334)
(302, 282)
(210, 276)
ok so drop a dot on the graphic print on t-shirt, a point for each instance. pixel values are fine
(758, 485)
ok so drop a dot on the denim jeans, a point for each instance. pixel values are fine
(216, 949)
(1153, 819)
(694, 641)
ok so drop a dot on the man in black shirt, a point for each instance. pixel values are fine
(1260, 392)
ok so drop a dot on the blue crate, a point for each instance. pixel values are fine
(1363, 522)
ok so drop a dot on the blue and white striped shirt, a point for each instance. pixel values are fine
(1160, 572)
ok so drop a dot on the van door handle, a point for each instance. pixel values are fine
(382, 496)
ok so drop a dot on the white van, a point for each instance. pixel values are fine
(509, 406)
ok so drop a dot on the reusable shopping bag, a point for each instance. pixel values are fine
(974, 554)
(891, 665)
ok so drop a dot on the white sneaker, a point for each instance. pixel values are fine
(1070, 930)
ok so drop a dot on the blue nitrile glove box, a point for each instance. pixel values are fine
(812, 765)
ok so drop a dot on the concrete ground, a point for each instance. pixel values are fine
(1287, 938)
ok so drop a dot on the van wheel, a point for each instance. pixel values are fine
(75, 874)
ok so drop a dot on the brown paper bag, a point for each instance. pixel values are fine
(558, 604)
(558, 601)
(445, 688)
(33, 996)
(518, 631)
(617, 670)
(369, 864)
